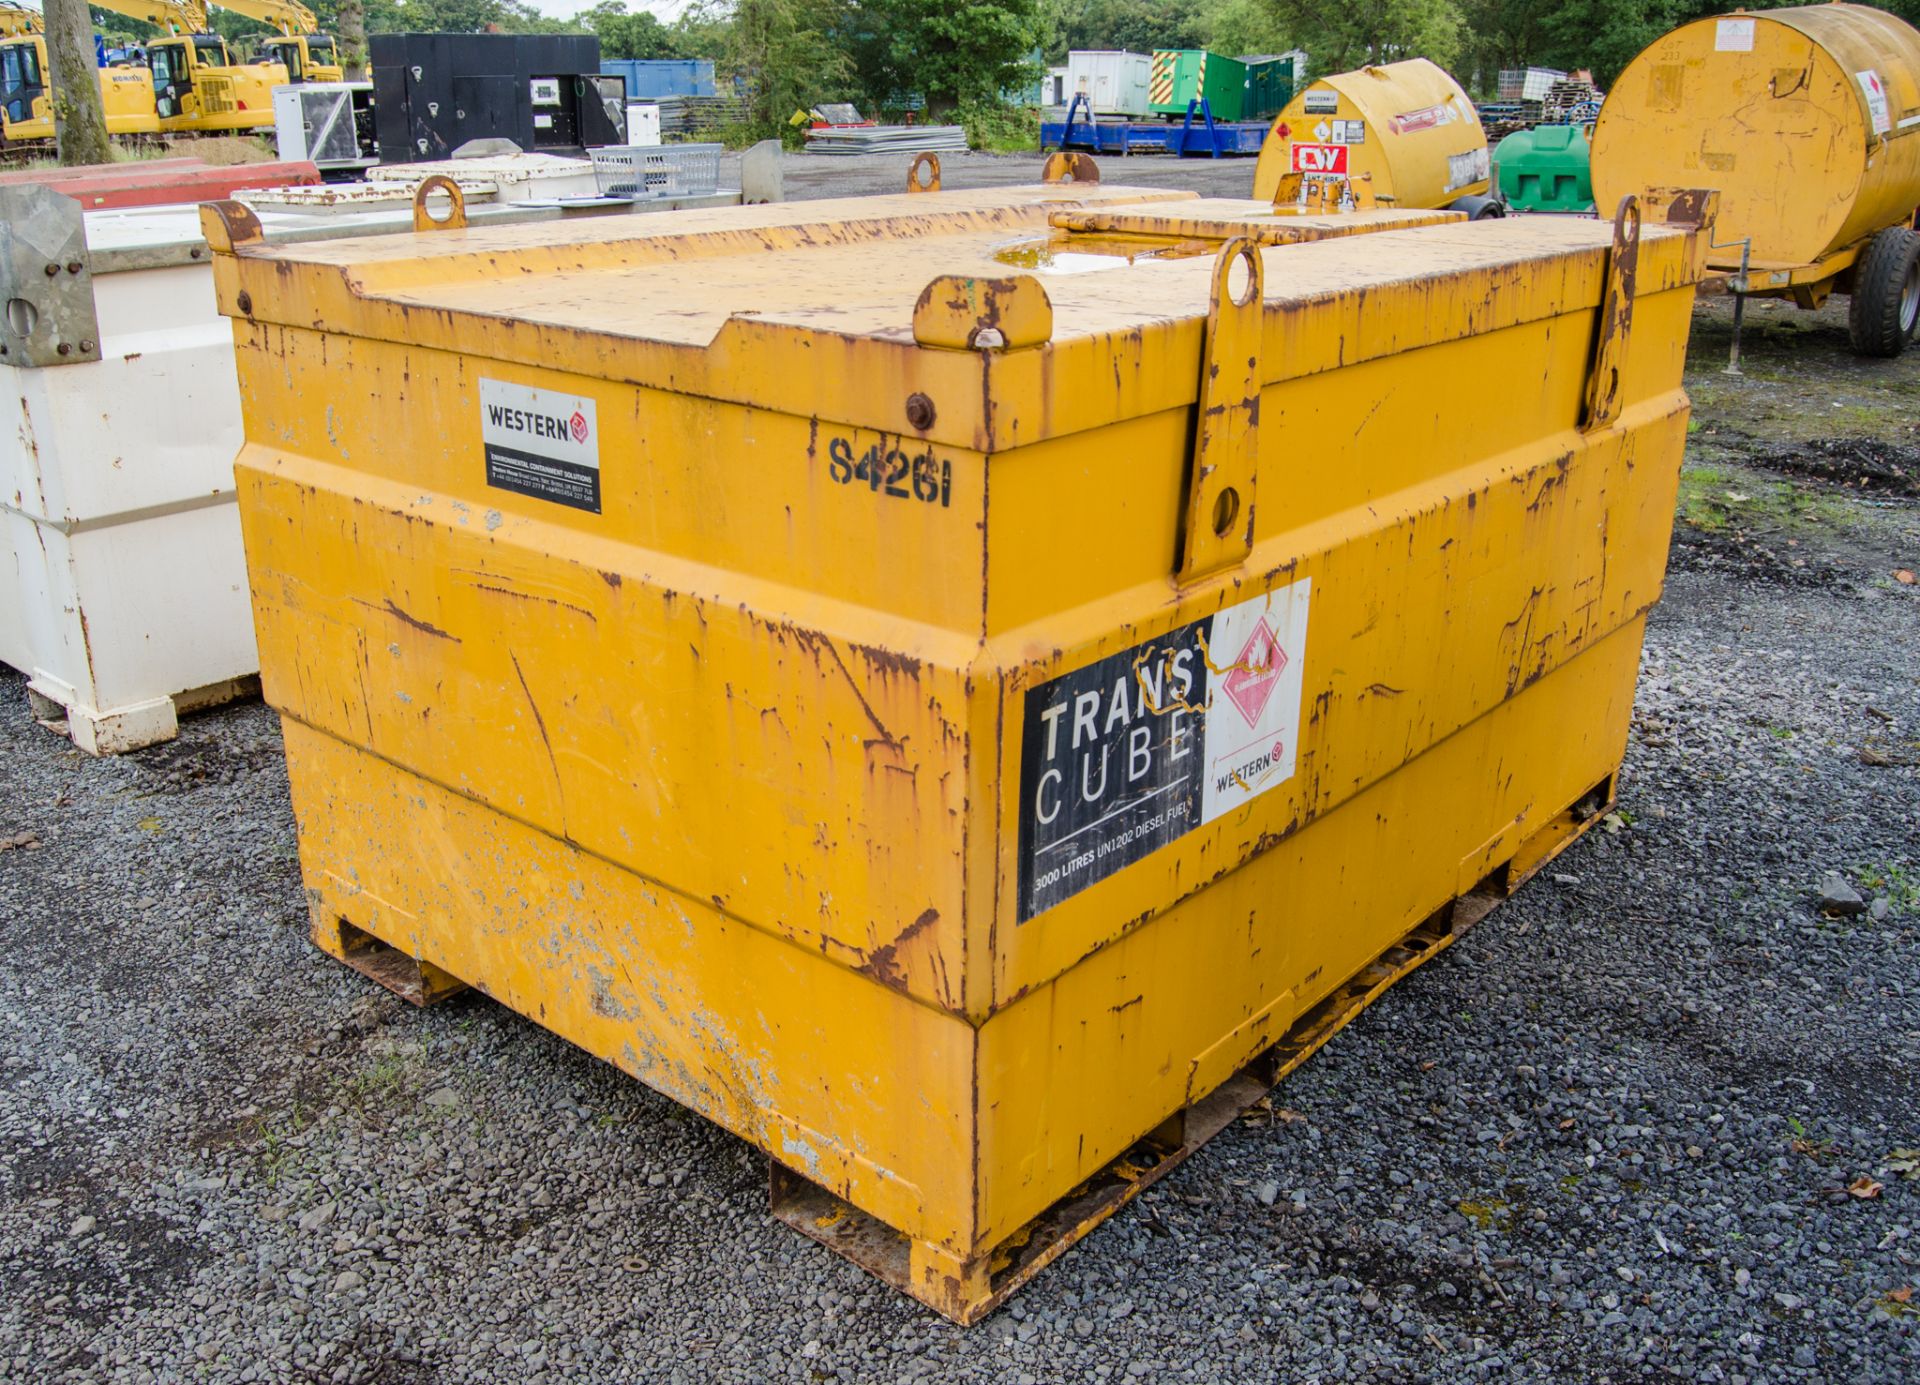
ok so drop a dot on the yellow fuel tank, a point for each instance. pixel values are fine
(961, 688)
(1807, 122)
(1406, 127)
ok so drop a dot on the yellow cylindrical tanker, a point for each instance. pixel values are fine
(1406, 128)
(1807, 123)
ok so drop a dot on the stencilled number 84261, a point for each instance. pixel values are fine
(891, 471)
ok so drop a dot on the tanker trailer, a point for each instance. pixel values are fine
(1807, 123)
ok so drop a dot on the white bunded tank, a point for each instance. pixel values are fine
(123, 590)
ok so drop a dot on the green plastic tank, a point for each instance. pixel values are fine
(1545, 169)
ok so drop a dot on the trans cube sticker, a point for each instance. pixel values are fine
(541, 443)
(1124, 756)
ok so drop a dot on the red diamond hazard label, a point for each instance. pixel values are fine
(1250, 682)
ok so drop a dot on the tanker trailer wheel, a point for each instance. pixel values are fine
(1886, 293)
(1478, 208)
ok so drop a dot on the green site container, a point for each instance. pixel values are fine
(1545, 169)
(1180, 75)
(1269, 87)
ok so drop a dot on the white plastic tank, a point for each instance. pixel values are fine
(123, 589)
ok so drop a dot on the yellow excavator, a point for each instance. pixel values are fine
(308, 55)
(197, 86)
(26, 88)
(16, 20)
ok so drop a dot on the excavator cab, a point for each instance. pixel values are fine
(307, 57)
(289, 51)
(26, 98)
(197, 87)
(171, 61)
(22, 77)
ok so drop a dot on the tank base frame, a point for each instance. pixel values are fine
(967, 1291)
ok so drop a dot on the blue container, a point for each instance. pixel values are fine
(649, 80)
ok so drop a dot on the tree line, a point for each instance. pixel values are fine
(890, 54)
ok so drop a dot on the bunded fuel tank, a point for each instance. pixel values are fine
(1806, 120)
(669, 643)
(1406, 127)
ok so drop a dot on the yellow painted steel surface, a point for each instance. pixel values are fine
(1807, 122)
(790, 654)
(1406, 127)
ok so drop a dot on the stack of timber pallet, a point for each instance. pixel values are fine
(1502, 118)
(1573, 101)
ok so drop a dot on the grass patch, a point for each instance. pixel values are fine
(384, 1078)
(999, 129)
(1714, 499)
(280, 1157)
(1494, 1214)
(1900, 885)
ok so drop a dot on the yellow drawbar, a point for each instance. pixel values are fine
(961, 688)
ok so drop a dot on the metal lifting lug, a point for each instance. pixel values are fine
(923, 174)
(1226, 427)
(1069, 166)
(423, 217)
(962, 313)
(1602, 395)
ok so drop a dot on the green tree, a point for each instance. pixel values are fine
(1236, 27)
(238, 30)
(1603, 35)
(1137, 26)
(625, 35)
(788, 54)
(120, 28)
(1340, 35)
(950, 53)
(1504, 34)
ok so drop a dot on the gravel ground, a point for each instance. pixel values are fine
(1616, 1135)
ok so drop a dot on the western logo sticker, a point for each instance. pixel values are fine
(541, 443)
(1130, 753)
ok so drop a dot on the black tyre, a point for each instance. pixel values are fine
(1886, 294)
(1478, 208)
